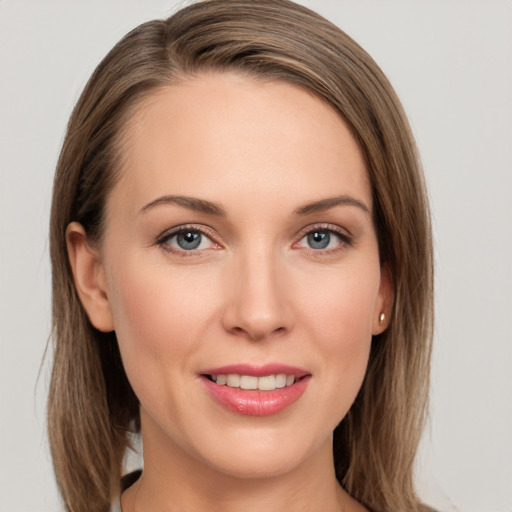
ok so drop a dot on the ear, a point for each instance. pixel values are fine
(384, 302)
(89, 277)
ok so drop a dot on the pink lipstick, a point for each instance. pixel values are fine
(256, 390)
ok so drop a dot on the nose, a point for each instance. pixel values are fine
(259, 303)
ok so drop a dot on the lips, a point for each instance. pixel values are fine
(255, 390)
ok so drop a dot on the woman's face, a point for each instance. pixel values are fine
(239, 250)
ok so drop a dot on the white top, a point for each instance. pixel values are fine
(116, 507)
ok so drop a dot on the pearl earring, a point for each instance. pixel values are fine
(382, 317)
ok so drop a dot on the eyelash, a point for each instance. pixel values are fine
(345, 240)
(163, 240)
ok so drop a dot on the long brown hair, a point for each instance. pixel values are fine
(91, 405)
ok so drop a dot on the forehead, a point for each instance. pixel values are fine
(225, 134)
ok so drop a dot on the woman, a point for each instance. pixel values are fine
(242, 271)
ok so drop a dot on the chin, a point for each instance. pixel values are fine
(257, 466)
(263, 455)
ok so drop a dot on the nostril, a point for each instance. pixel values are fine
(255, 315)
(257, 333)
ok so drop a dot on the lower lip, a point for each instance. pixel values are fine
(256, 402)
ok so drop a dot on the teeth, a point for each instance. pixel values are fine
(280, 380)
(265, 383)
(248, 382)
(232, 380)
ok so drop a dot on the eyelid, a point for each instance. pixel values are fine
(346, 238)
(324, 226)
(162, 239)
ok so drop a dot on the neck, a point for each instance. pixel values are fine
(173, 480)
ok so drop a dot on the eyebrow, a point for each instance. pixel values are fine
(191, 203)
(326, 204)
(210, 208)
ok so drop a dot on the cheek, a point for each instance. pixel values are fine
(342, 310)
(156, 318)
(339, 319)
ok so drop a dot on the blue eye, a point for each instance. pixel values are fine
(186, 240)
(324, 239)
(318, 239)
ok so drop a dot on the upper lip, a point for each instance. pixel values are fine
(257, 370)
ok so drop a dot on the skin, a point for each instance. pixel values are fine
(255, 291)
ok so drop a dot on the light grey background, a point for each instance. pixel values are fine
(451, 63)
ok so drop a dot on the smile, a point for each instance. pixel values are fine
(256, 390)
(264, 383)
